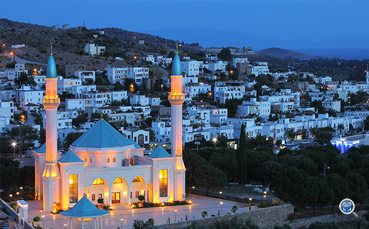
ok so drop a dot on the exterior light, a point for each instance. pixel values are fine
(190, 202)
(193, 187)
(265, 196)
(142, 191)
(175, 210)
(121, 220)
(221, 203)
(265, 192)
(220, 193)
(106, 194)
(250, 199)
(14, 144)
(231, 71)
(17, 193)
(11, 195)
(20, 188)
(124, 193)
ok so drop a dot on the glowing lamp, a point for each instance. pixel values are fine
(70, 181)
(190, 202)
(162, 204)
(106, 194)
(250, 199)
(221, 203)
(142, 191)
(264, 196)
(124, 193)
(265, 192)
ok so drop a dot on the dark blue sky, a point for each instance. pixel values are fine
(311, 19)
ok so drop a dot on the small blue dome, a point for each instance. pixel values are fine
(176, 66)
(51, 68)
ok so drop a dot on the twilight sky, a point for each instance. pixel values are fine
(274, 19)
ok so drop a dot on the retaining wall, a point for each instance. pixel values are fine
(263, 217)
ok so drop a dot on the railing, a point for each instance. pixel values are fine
(57, 100)
(13, 215)
(176, 97)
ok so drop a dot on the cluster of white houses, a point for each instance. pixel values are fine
(200, 120)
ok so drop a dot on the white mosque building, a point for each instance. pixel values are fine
(102, 163)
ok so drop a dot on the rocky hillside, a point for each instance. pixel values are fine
(285, 53)
(68, 44)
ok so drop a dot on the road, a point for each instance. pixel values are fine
(22, 61)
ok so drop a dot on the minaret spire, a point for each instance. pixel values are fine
(51, 49)
(177, 45)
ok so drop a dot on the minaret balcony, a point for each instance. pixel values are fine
(51, 102)
(176, 97)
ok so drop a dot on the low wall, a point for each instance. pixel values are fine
(28, 226)
(340, 217)
(263, 217)
(13, 215)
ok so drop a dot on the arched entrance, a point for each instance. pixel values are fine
(138, 188)
(100, 189)
(119, 191)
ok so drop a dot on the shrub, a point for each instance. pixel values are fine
(234, 208)
(141, 198)
(100, 200)
(204, 214)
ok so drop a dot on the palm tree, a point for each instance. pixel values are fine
(341, 127)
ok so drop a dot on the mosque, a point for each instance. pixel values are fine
(103, 164)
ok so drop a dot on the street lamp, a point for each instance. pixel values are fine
(121, 223)
(175, 215)
(65, 226)
(43, 221)
(17, 194)
(14, 144)
(220, 193)
(21, 190)
(11, 197)
(221, 209)
(214, 140)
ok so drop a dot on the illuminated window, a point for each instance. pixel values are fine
(118, 180)
(93, 197)
(137, 179)
(90, 159)
(107, 159)
(85, 159)
(73, 188)
(163, 182)
(137, 194)
(98, 181)
(114, 159)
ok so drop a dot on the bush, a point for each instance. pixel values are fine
(234, 208)
(100, 200)
(141, 198)
(323, 225)
(204, 214)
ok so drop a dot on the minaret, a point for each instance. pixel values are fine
(51, 175)
(176, 99)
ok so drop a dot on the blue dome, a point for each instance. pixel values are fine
(51, 68)
(176, 66)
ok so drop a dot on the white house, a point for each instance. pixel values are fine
(93, 49)
(27, 95)
(224, 91)
(84, 75)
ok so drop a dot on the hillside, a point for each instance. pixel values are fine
(68, 44)
(285, 53)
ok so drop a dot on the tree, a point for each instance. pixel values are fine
(296, 186)
(27, 134)
(358, 186)
(225, 55)
(71, 137)
(225, 159)
(340, 188)
(323, 225)
(308, 165)
(269, 171)
(325, 193)
(341, 168)
(323, 135)
(201, 173)
(341, 127)
(242, 157)
(23, 78)
(232, 106)
(79, 120)
(290, 134)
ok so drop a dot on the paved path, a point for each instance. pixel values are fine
(23, 61)
(160, 214)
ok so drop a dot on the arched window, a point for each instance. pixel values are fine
(137, 179)
(98, 181)
(118, 180)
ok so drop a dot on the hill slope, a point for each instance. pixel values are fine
(285, 53)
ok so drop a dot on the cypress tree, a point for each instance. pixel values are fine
(242, 157)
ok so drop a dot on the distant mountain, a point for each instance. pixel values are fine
(219, 38)
(284, 53)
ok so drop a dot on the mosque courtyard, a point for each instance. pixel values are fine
(159, 214)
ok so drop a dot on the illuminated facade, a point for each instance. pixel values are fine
(103, 164)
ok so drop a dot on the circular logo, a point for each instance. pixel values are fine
(347, 206)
